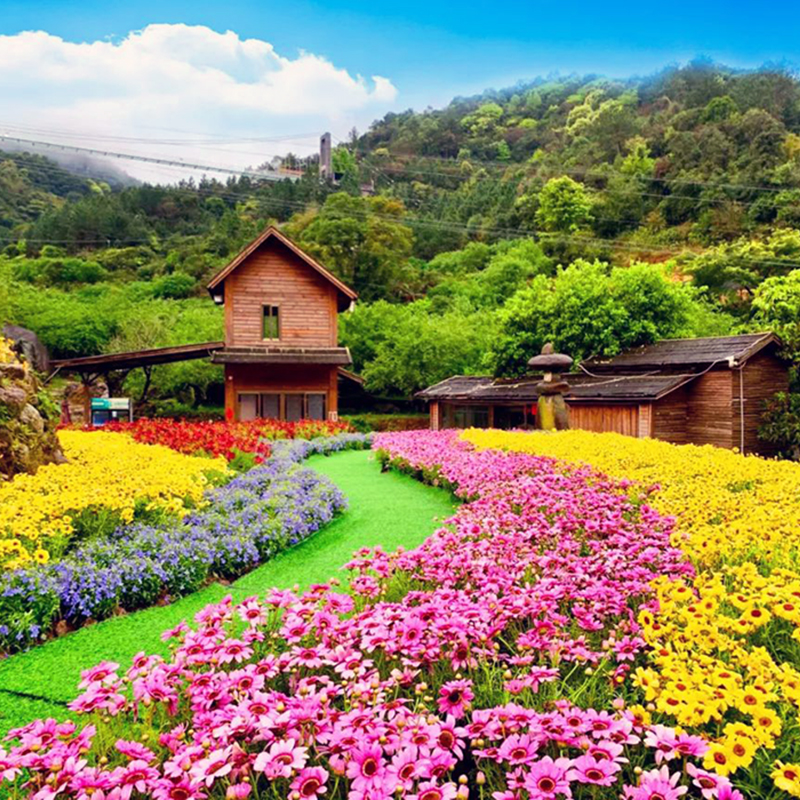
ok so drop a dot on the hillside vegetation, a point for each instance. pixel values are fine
(596, 213)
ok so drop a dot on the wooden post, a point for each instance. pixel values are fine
(230, 394)
(333, 394)
(645, 421)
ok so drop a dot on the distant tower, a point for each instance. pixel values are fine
(325, 162)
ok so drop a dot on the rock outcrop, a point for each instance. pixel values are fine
(28, 417)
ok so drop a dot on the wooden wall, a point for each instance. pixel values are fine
(435, 417)
(281, 378)
(761, 377)
(709, 416)
(670, 416)
(704, 411)
(604, 418)
(274, 275)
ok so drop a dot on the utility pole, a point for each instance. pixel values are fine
(325, 160)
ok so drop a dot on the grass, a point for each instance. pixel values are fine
(388, 509)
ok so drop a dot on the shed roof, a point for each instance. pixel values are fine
(346, 294)
(688, 354)
(277, 354)
(583, 388)
(109, 362)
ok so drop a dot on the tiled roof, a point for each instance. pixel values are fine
(684, 354)
(479, 389)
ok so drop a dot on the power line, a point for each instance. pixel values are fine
(599, 172)
(162, 162)
(452, 226)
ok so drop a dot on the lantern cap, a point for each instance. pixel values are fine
(548, 361)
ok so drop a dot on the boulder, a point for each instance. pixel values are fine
(14, 396)
(28, 417)
(28, 347)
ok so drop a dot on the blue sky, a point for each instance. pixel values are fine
(234, 82)
(431, 50)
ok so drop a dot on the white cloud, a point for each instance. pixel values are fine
(180, 78)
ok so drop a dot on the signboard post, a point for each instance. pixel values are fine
(106, 409)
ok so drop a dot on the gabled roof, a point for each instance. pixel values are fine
(346, 294)
(685, 353)
(583, 388)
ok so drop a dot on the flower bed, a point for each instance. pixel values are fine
(728, 506)
(492, 660)
(725, 657)
(109, 479)
(224, 438)
(241, 525)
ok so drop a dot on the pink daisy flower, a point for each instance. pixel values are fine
(518, 749)
(365, 768)
(657, 784)
(403, 769)
(664, 741)
(134, 750)
(547, 779)
(708, 783)
(587, 769)
(281, 760)
(455, 696)
(310, 782)
(183, 789)
(432, 791)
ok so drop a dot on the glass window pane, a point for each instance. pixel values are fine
(316, 406)
(294, 407)
(271, 406)
(508, 417)
(470, 416)
(248, 406)
(271, 322)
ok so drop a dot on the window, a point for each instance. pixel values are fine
(509, 417)
(290, 407)
(315, 406)
(270, 406)
(294, 407)
(248, 407)
(456, 416)
(272, 322)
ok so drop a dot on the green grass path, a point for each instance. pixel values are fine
(388, 509)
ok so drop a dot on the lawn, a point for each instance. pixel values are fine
(388, 509)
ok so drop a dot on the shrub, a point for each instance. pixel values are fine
(177, 286)
(780, 424)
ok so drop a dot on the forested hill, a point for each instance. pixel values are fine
(696, 155)
(595, 213)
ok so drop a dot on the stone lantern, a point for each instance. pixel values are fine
(553, 414)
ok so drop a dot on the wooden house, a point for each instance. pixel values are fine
(280, 352)
(700, 391)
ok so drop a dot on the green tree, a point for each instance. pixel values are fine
(591, 310)
(428, 348)
(732, 272)
(362, 240)
(366, 327)
(564, 206)
(776, 307)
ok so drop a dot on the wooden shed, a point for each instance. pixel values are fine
(701, 391)
(281, 353)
